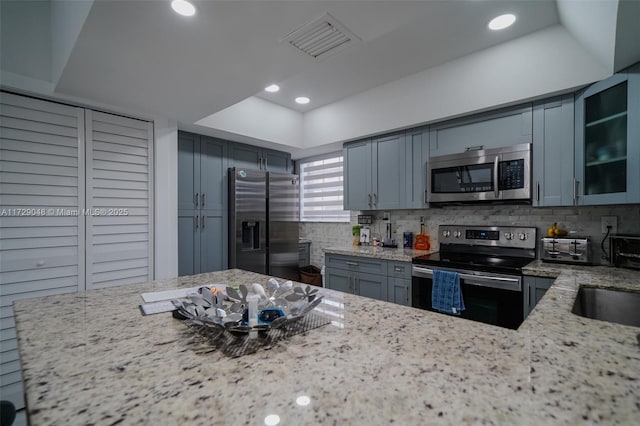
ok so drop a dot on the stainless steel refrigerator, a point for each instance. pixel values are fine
(264, 211)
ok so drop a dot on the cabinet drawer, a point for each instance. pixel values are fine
(400, 270)
(356, 263)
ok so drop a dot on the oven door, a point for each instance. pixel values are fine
(490, 298)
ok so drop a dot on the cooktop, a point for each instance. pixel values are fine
(476, 262)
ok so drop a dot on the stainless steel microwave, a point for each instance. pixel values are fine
(482, 175)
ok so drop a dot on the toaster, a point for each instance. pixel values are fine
(576, 250)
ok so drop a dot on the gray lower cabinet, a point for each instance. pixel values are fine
(371, 285)
(202, 211)
(304, 254)
(399, 283)
(375, 278)
(534, 290)
(339, 279)
(553, 152)
(399, 291)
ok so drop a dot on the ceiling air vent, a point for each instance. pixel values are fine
(321, 37)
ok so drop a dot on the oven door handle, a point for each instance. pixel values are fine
(504, 283)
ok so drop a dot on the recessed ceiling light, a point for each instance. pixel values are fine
(302, 100)
(272, 89)
(501, 22)
(183, 7)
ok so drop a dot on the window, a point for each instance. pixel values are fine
(321, 190)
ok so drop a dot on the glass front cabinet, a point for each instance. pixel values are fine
(607, 145)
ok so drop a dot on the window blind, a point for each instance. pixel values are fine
(321, 190)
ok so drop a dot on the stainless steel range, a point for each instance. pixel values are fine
(489, 260)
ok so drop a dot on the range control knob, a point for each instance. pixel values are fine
(522, 236)
(457, 234)
(508, 235)
(446, 234)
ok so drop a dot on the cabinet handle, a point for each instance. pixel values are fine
(397, 269)
(375, 199)
(196, 220)
(369, 200)
(203, 194)
(538, 191)
(196, 198)
(204, 223)
(352, 263)
(425, 196)
(496, 189)
(575, 190)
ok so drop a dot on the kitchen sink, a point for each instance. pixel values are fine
(619, 306)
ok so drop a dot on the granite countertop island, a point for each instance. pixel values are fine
(91, 358)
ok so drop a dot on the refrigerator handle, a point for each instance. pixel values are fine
(265, 163)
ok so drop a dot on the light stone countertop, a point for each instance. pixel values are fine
(91, 358)
(386, 253)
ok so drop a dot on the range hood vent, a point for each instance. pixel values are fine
(321, 37)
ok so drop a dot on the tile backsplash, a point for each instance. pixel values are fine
(585, 221)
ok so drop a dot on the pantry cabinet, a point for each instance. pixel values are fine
(202, 201)
(553, 140)
(607, 141)
(76, 194)
(375, 173)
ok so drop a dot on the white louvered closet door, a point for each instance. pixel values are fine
(41, 232)
(119, 199)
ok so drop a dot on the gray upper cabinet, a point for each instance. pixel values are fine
(491, 130)
(357, 176)
(607, 141)
(415, 164)
(553, 140)
(388, 178)
(375, 176)
(202, 201)
(277, 161)
(255, 158)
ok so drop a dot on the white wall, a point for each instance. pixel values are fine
(450, 90)
(27, 22)
(593, 24)
(259, 119)
(166, 197)
(627, 34)
(67, 19)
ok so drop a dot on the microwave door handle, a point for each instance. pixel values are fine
(496, 188)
